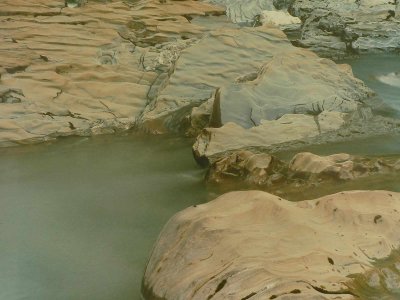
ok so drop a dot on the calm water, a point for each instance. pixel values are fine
(78, 218)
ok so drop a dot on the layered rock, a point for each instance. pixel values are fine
(337, 28)
(260, 79)
(80, 69)
(222, 57)
(304, 171)
(252, 244)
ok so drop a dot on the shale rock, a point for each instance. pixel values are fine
(255, 245)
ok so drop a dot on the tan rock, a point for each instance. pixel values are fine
(79, 70)
(339, 166)
(216, 142)
(254, 244)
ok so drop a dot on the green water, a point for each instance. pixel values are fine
(78, 217)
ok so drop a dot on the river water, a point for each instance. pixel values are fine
(78, 217)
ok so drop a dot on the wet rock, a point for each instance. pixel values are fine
(306, 172)
(253, 168)
(254, 243)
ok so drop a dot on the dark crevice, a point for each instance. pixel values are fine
(249, 296)
(220, 286)
(16, 69)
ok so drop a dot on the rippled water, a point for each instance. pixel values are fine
(78, 217)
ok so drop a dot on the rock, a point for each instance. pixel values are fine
(339, 166)
(245, 11)
(286, 86)
(197, 72)
(281, 19)
(214, 143)
(253, 168)
(252, 243)
(305, 174)
(340, 28)
(82, 71)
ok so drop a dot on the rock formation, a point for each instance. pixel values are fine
(338, 28)
(82, 69)
(252, 244)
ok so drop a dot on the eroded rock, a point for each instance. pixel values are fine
(339, 28)
(254, 244)
(73, 69)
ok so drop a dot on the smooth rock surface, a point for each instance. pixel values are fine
(290, 128)
(255, 245)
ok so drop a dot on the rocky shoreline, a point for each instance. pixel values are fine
(245, 80)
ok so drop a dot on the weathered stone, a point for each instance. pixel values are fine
(246, 244)
(339, 166)
(197, 73)
(80, 71)
(214, 143)
(339, 28)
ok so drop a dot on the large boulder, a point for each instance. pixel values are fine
(222, 57)
(256, 245)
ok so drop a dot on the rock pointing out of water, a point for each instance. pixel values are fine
(253, 245)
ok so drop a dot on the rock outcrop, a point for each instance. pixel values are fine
(247, 245)
(305, 170)
(77, 68)
(338, 28)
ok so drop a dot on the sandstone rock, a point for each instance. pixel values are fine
(337, 165)
(214, 143)
(254, 244)
(292, 82)
(69, 70)
(252, 168)
(197, 73)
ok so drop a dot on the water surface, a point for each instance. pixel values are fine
(78, 217)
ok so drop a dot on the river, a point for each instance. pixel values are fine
(79, 215)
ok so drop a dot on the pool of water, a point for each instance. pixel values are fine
(78, 217)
